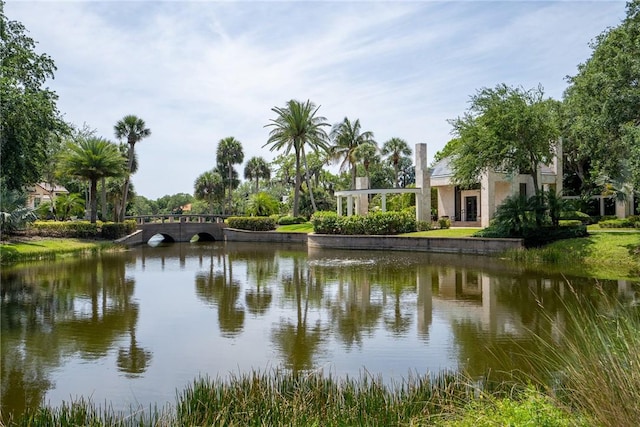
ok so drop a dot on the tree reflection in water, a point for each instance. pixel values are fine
(58, 310)
(217, 288)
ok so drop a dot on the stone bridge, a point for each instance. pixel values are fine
(176, 228)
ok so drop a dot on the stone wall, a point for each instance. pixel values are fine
(465, 245)
(235, 235)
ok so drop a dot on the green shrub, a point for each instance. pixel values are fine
(252, 223)
(548, 234)
(531, 409)
(115, 230)
(444, 222)
(616, 223)
(262, 204)
(325, 222)
(79, 229)
(570, 222)
(289, 220)
(376, 223)
(423, 225)
(576, 215)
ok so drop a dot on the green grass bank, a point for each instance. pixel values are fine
(44, 248)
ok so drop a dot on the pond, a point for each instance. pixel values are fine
(133, 328)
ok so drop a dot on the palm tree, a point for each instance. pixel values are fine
(133, 129)
(395, 149)
(295, 126)
(367, 154)
(92, 159)
(257, 168)
(209, 187)
(229, 153)
(347, 137)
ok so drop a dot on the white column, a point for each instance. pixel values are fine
(339, 209)
(384, 202)
(349, 205)
(423, 182)
(362, 200)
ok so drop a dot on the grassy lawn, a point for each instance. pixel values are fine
(32, 249)
(605, 255)
(296, 228)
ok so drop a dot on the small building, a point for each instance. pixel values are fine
(43, 192)
(477, 204)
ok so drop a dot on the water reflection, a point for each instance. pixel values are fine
(52, 312)
(160, 316)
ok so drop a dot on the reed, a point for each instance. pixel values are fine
(597, 365)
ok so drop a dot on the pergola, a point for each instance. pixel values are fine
(358, 197)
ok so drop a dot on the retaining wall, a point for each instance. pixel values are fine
(235, 235)
(463, 245)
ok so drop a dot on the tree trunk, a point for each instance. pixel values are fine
(103, 202)
(230, 186)
(353, 176)
(296, 190)
(94, 200)
(306, 175)
(125, 193)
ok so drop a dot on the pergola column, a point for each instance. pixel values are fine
(339, 200)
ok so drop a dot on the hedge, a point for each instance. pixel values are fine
(252, 223)
(82, 229)
(375, 223)
(116, 230)
(289, 220)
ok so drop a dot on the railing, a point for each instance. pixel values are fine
(173, 218)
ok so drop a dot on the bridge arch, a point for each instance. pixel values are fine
(203, 237)
(166, 238)
(180, 228)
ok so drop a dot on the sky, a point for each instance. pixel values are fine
(200, 71)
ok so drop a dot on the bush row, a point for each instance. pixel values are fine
(252, 223)
(82, 229)
(630, 222)
(289, 220)
(375, 223)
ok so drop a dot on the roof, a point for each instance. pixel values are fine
(49, 188)
(442, 168)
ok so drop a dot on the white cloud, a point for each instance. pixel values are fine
(201, 71)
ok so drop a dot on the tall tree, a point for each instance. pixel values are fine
(92, 159)
(346, 137)
(210, 188)
(367, 154)
(603, 105)
(508, 129)
(257, 168)
(295, 126)
(229, 153)
(133, 129)
(395, 149)
(29, 122)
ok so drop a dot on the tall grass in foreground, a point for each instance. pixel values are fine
(597, 367)
(312, 399)
(317, 400)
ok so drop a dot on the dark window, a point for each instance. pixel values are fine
(523, 190)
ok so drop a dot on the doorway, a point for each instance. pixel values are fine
(471, 208)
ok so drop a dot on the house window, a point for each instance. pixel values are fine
(36, 202)
(523, 190)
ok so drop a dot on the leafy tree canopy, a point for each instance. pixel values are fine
(507, 129)
(30, 118)
(602, 117)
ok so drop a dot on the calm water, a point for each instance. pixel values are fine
(132, 328)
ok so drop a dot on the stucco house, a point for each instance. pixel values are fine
(43, 192)
(476, 206)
